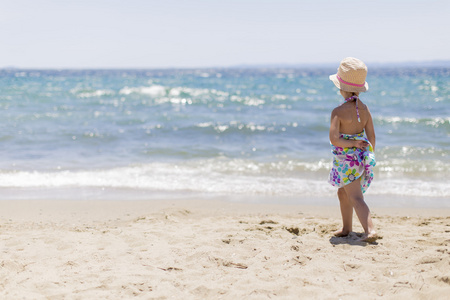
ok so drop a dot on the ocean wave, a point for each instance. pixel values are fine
(97, 93)
(220, 176)
(433, 168)
(187, 96)
(410, 187)
(432, 122)
(433, 157)
(235, 126)
(154, 90)
(89, 93)
(159, 90)
(160, 177)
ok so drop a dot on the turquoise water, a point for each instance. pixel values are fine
(241, 133)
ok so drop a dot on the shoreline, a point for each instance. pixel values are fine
(209, 249)
(388, 201)
(104, 209)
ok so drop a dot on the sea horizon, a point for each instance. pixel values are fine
(438, 63)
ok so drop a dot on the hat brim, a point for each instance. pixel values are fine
(348, 88)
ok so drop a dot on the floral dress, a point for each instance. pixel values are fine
(350, 164)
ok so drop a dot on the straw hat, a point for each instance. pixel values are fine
(351, 76)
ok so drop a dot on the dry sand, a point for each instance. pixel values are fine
(216, 250)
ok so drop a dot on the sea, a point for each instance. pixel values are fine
(256, 135)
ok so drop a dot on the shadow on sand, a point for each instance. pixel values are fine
(352, 239)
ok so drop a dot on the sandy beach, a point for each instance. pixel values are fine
(217, 250)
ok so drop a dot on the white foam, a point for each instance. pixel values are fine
(434, 122)
(98, 93)
(219, 176)
(180, 95)
(164, 178)
(410, 187)
(249, 101)
(154, 90)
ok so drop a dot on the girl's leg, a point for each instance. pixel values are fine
(356, 198)
(346, 212)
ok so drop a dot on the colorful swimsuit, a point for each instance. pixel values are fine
(350, 164)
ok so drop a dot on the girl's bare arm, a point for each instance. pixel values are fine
(370, 130)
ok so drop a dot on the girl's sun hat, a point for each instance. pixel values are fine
(351, 76)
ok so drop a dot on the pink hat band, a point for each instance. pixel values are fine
(349, 83)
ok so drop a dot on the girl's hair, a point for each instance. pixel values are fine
(352, 93)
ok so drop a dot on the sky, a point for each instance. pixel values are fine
(213, 33)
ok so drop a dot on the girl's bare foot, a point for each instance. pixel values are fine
(370, 237)
(341, 233)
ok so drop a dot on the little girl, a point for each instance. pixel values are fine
(353, 153)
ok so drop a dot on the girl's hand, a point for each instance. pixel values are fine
(361, 145)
